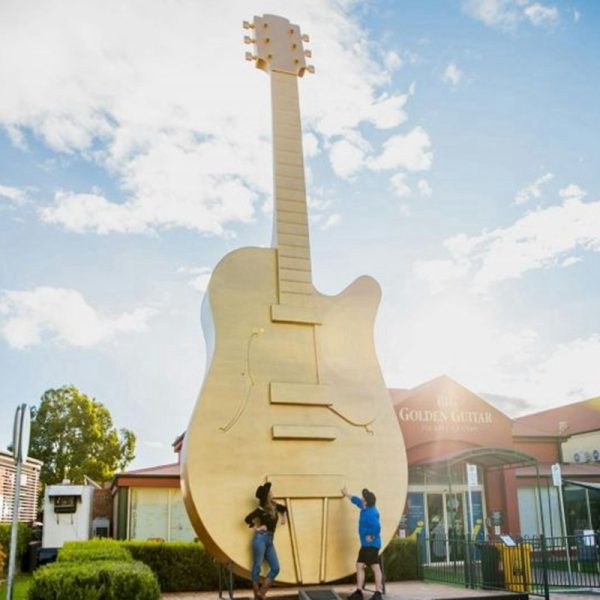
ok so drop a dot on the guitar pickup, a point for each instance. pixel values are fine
(307, 394)
(304, 432)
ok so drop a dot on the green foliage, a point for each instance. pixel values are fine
(73, 435)
(179, 566)
(400, 560)
(94, 580)
(97, 549)
(23, 539)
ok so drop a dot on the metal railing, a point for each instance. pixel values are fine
(535, 565)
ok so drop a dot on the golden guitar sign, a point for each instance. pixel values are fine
(293, 392)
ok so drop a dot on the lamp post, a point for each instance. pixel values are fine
(21, 430)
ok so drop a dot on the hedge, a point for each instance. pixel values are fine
(94, 580)
(187, 567)
(24, 534)
(400, 560)
(96, 549)
(179, 566)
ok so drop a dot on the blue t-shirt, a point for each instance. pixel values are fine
(368, 524)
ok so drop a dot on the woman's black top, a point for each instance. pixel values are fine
(264, 517)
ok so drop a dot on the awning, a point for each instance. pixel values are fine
(586, 484)
(486, 458)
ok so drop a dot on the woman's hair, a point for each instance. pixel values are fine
(269, 506)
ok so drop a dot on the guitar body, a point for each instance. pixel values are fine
(303, 405)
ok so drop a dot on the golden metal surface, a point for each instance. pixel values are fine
(293, 392)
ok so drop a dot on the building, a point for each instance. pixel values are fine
(472, 470)
(30, 480)
(147, 504)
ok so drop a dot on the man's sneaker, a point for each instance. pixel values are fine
(356, 595)
(376, 596)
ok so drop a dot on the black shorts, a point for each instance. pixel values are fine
(368, 555)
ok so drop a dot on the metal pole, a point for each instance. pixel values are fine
(14, 533)
(564, 523)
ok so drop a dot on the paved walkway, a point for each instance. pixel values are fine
(395, 590)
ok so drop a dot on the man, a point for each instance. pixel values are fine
(369, 530)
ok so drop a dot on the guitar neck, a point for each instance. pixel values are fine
(290, 225)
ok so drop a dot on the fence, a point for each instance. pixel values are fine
(535, 565)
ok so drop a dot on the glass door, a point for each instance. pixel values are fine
(436, 525)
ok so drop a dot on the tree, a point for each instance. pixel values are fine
(74, 436)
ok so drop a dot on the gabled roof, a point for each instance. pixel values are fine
(400, 396)
(563, 421)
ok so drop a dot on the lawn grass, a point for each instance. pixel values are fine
(20, 587)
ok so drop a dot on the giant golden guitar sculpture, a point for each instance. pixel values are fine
(293, 392)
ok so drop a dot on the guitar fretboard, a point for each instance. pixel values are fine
(290, 227)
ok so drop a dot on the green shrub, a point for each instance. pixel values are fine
(179, 566)
(96, 549)
(400, 560)
(23, 539)
(94, 580)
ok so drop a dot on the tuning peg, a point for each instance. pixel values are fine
(308, 53)
(310, 68)
(305, 37)
(250, 56)
(248, 40)
(248, 25)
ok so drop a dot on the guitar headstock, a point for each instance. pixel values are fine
(278, 46)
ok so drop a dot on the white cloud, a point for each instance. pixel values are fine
(411, 152)
(15, 195)
(200, 277)
(465, 337)
(310, 145)
(186, 137)
(439, 273)
(392, 61)
(399, 185)
(572, 191)
(331, 221)
(452, 75)
(533, 190)
(424, 188)
(540, 14)
(507, 14)
(571, 260)
(62, 316)
(539, 240)
(346, 158)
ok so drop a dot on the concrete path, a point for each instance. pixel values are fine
(395, 590)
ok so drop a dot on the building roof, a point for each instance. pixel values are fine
(563, 421)
(170, 470)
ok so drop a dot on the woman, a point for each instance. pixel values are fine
(264, 520)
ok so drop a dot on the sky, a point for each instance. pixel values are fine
(451, 152)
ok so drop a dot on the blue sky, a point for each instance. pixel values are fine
(451, 151)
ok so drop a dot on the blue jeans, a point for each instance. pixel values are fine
(263, 549)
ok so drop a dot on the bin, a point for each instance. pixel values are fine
(491, 576)
(517, 567)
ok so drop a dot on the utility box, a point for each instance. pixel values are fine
(67, 515)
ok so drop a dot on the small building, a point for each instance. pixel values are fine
(30, 481)
(148, 504)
